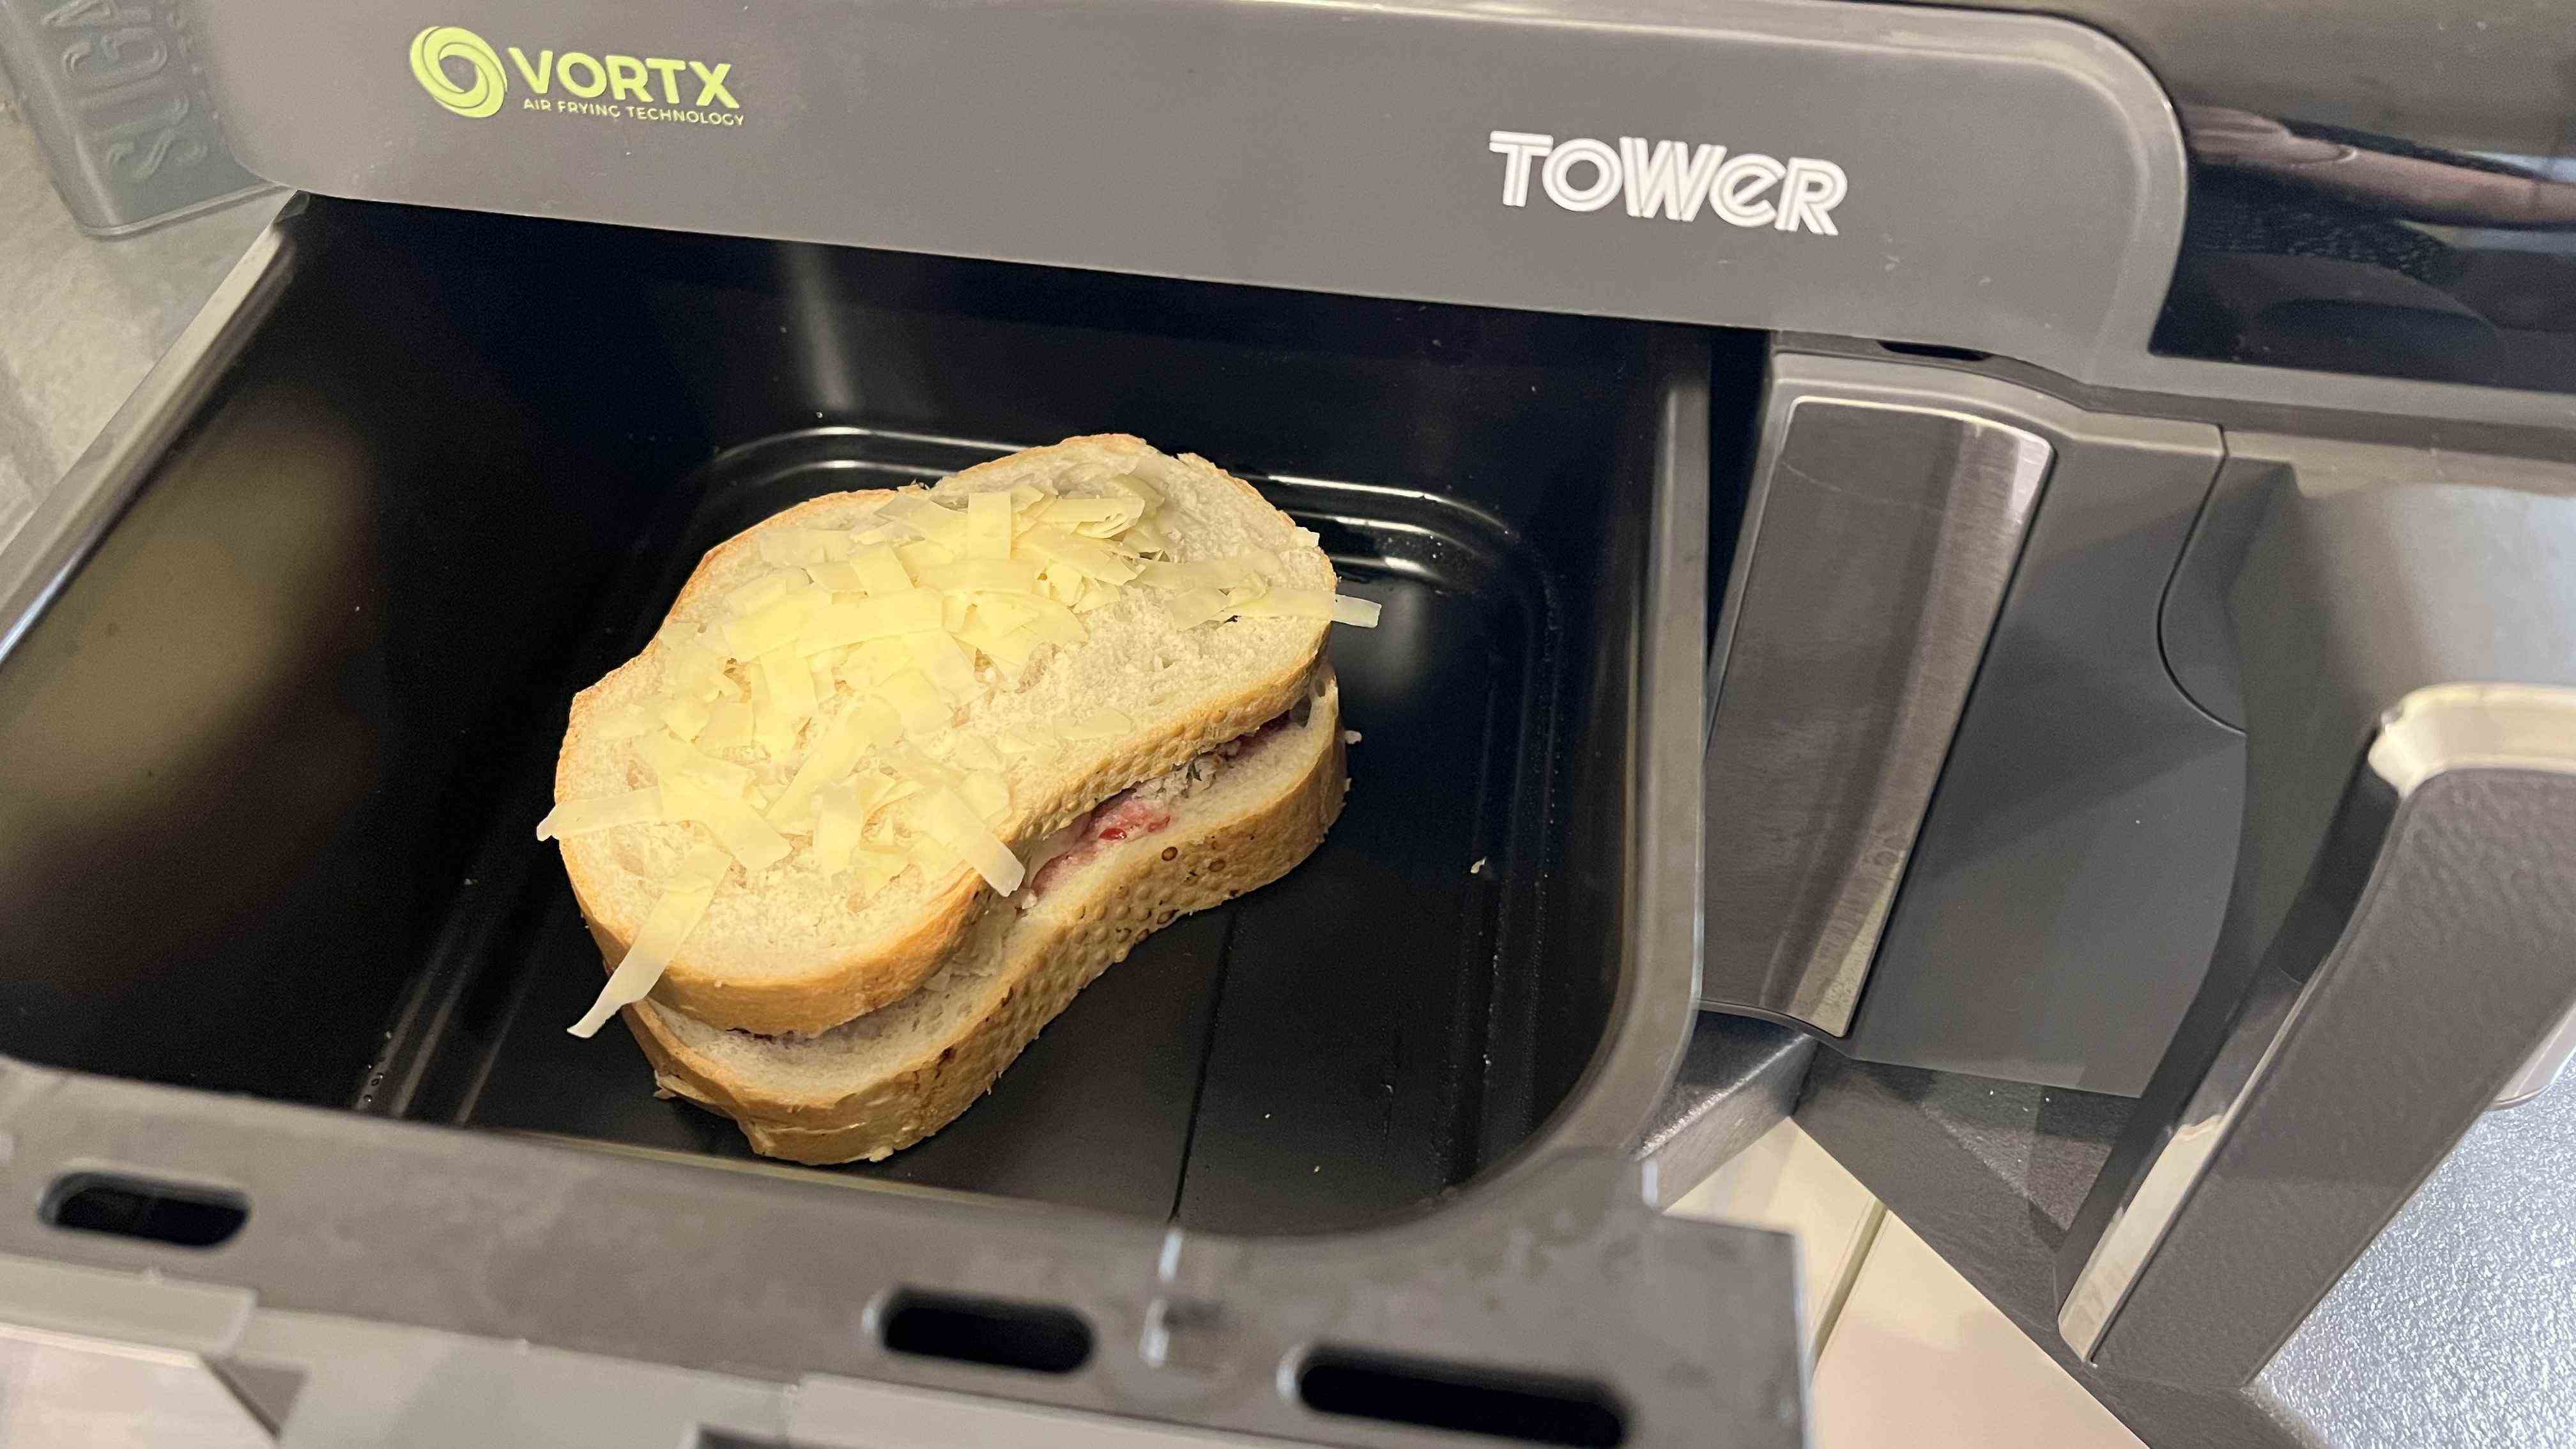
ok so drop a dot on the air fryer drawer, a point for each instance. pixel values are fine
(272, 748)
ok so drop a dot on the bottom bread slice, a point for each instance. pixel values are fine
(873, 1086)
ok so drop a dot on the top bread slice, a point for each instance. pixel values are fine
(789, 948)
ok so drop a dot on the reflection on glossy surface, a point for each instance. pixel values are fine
(2323, 247)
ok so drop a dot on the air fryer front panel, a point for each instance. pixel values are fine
(1757, 163)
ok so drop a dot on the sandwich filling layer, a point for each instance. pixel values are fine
(884, 1080)
(1144, 808)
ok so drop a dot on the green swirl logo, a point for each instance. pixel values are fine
(434, 47)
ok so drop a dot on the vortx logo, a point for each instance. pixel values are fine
(463, 72)
(1672, 179)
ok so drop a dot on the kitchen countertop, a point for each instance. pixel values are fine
(81, 319)
(2452, 1330)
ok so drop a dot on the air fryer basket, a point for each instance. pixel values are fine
(272, 747)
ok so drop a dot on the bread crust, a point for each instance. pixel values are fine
(1050, 957)
(838, 988)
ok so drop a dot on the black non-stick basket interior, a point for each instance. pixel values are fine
(270, 763)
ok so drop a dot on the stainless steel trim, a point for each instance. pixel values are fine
(2430, 732)
(1878, 547)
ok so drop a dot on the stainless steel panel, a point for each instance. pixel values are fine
(1877, 546)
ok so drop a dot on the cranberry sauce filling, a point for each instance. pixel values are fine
(1141, 810)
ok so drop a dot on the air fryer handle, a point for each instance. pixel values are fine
(2402, 937)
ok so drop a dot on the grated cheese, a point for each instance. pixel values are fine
(936, 522)
(684, 901)
(988, 527)
(774, 627)
(673, 759)
(1088, 557)
(867, 724)
(601, 812)
(946, 817)
(737, 827)
(804, 546)
(950, 668)
(687, 715)
(918, 702)
(1284, 603)
(1003, 575)
(878, 616)
(728, 726)
(764, 591)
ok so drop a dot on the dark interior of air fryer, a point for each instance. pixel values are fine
(270, 763)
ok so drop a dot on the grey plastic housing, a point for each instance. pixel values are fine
(2401, 936)
(1331, 149)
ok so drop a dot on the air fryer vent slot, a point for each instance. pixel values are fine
(1524, 1409)
(1032, 1336)
(136, 1207)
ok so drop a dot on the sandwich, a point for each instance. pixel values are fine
(903, 770)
